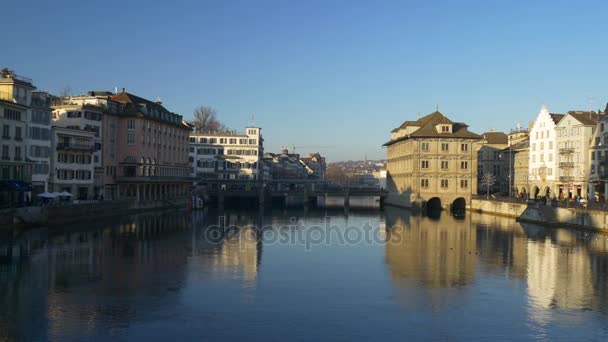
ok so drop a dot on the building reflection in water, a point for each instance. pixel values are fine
(92, 278)
(234, 239)
(561, 268)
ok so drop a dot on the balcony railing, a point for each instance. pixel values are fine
(566, 165)
(62, 146)
(567, 150)
(566, 178)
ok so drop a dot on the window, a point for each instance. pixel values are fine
(233, 141)
(445, 129)
(424, 164)
(444, 183)
(464, 183)
(424, 183)
(444, 164)
(464, 147)
(5, 152)
(212, 140)
(253, 141)
(17, 153)
(550, 145)
(464, 165)
(130, 138)
(445, 146)
(131, 124)
(18, 133)
(12, 114)
(6, 132)
(202, 140)
(243, 141)
(223, 140)
(425, 146)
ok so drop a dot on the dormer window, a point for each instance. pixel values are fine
(446, 129)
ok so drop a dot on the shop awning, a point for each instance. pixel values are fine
(15, 185)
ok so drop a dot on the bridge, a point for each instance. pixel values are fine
(290, 193)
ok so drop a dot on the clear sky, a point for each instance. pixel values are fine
(332, 76)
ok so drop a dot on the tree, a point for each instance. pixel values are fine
(206, 121)
(488, 181)
(336, 175)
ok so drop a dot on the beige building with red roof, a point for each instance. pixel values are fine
(432, 159)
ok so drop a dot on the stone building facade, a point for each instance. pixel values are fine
(72, 167)
(432, 159)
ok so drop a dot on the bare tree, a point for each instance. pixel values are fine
(488, 181)
(205, 120)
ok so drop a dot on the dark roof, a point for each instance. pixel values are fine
(496, 138)
(522, 145)
(134, 104)
(586, 118)
(428, 129)
(557, 117)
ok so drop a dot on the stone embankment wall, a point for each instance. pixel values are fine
(545, 214)
(53, 215)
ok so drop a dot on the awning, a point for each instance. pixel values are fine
(15, 185)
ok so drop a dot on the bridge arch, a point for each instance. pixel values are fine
(459, 205)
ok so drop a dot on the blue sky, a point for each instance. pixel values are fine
(333, 76)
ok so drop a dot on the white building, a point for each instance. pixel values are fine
(228, 156)
(543, 154)
(72, 166)
(85, 117)
(575, 132)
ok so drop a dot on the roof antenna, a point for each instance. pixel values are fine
(437, 108)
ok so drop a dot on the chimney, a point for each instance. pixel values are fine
(123, 90)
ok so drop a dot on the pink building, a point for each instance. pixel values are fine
(145, 148)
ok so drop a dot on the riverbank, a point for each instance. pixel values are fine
(62, 214)
(547, 215)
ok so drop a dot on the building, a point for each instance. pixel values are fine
(72, 166)
(39, 140)
(285, 165)
(432, 159)
(315, 166)
(542, 167)
(574, 135)
(519, 155)
(598, 177)
(492, 161)
(85, 117)
(15, 170)
(144, 147)
(226, 156)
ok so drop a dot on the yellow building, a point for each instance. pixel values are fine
(434, 160)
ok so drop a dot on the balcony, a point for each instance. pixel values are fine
(567, 150)
(566, 178)
(566, 165)
(75, 147)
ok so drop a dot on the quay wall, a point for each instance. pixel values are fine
(61, 214)
(545, 214)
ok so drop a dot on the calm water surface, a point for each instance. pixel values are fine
(303, 276)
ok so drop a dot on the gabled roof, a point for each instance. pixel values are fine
(428, 128)
(586, 118)
(557, 117)
(496, 138)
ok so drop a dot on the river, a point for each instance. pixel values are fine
(315, 275)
